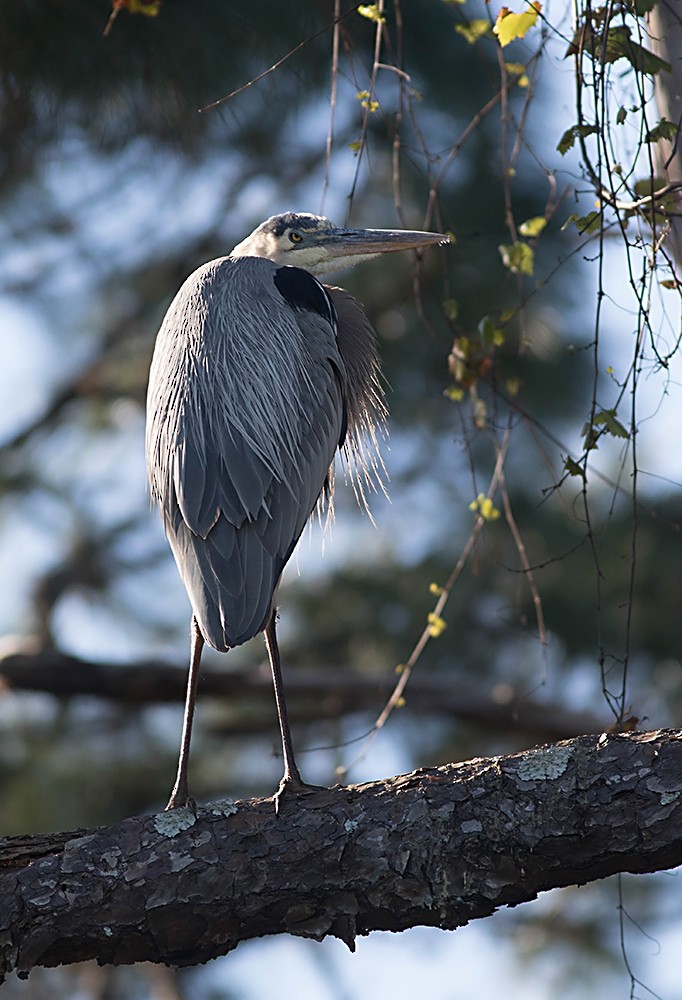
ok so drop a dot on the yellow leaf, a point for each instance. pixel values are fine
(510, 26)
(489, 511)
(533, 227)
(484, 506)
(436, 625)
(435, 589)
(150, 8)
(366, 100)
(371, 12)
(480, 415)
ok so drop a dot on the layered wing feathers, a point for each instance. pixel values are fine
(245, 412)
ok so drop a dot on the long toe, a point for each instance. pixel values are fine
(293, 786)
(181, 800)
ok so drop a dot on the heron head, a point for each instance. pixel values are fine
(316, 244)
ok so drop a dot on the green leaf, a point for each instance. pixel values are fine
(573, 469)
(491, 333)
(641, 7)
(589, 223)
(519, 257)
(611, 424)
(621, 116)
(590, 436)
(533, 227)
(567, 141)
(664, 130)
(473, 30)
(451, 308)
(619, 45)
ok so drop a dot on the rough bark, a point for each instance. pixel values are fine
(437, 847)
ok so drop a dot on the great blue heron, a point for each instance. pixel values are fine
(259, 374)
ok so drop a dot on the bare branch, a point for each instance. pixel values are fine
(331, 692)
(438, 847)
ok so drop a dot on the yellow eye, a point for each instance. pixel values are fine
(295, 237)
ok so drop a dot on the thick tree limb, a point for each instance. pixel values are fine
(328, 693)
(437, 847)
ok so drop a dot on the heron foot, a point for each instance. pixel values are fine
(181, 799)
(291, 786)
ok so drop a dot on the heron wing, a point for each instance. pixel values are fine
(245, 411)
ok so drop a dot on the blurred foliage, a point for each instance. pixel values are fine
(113, 187)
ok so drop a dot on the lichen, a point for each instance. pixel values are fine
(221, 807)
(546, 763)
(174, 821)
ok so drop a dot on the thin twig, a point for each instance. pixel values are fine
(280, 62)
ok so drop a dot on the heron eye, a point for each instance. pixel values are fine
(295, 237)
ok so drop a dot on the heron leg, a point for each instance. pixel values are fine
(180, 795)
(291, 778)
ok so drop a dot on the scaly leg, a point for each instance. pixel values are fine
(180, 795)
(291, 780)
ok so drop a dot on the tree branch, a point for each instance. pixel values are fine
(331, 692)
(438, 847)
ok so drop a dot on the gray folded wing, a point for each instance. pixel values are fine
(245, 410)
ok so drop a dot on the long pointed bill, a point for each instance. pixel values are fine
(344, 247)
(352, 242)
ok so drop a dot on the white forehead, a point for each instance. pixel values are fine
(278, 225)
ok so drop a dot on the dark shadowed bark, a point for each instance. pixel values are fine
(437, 847)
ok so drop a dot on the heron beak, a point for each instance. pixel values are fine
(341, 243)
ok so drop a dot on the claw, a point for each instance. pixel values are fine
(291, 785)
